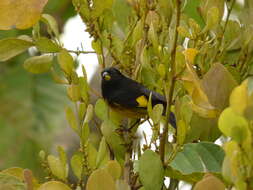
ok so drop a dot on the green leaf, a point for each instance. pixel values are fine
(156, 113)
(62, 155)
(151, 177)
(77, 164)
(12, 46)
(205, 5)
(191, 10)
(85, 132)
(198, 157)
(66, 62)
(101, 109)
(57, 167)
(46, 45)
(113, 139)
(54, 185)
(96, 45)
(181, 132)
(183, 32)
(114, 169)
(89, 114)
(84, 88)
(191, 178)
(14, 171)
(121, 10)
(233, 125)
(72, 119)
(74, 92)
(11, 182)
(99, 7)
(103, 154)
(100, 179)
(51, 22)
(92, 155)
(212, 19)
(39, 64)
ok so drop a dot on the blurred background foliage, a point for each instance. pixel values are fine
(31, 106)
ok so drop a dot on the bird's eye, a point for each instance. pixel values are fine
(106, 76)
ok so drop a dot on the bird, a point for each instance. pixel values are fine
(129, 97)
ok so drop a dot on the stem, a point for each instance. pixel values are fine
(78, 52)
(173, 184)
(224, 29)
(169, 97)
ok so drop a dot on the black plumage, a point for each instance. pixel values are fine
(121, 93)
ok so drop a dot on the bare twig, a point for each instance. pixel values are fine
(169, 96)
(78, 52)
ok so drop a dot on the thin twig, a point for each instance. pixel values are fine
(78, 52)
(224, 29)
(169, 97)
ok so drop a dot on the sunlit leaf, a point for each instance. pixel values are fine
(12, 46)
(239, 98)
(190, 54)
(51, 22)
(101, 109)
(72, 119)
(38, 64)
(54, 185)
(212, 18)
(103, 154)
(66, 62)
(76, 162)
(73, 92)
(46, 45)
(100, 179)
(191, 10)
(12, 182)
(99, 7)
(20, 14)
(114, 169)
(233, 125)
(181, 132)
(57, 167)
(183, 32)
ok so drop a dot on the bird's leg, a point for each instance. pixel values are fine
(122, 129)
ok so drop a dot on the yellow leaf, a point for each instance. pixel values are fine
(100, 179)
(239, 98)
(190, 54)
(54, 185)
(20, 14)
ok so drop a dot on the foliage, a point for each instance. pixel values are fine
(31, 105)
(183, 49)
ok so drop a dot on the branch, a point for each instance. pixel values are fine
(78, 52)
(169, 97)
(224, 29)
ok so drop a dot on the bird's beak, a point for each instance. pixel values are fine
(106, 76)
